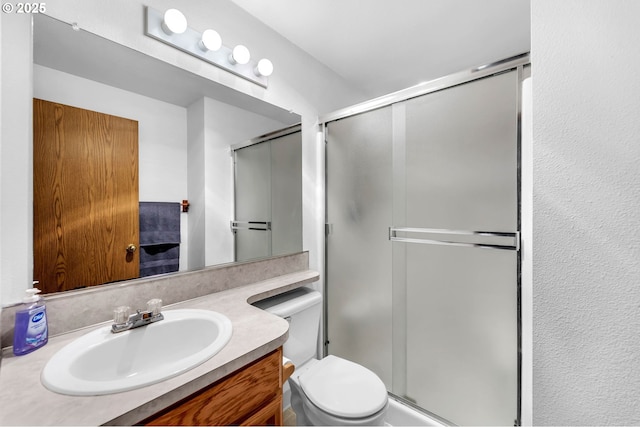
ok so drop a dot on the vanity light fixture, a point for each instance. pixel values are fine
(240, 55)
(264, 68)
(174, 22)
(210, 40)
(171, 27)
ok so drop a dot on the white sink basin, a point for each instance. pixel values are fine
(101, 362)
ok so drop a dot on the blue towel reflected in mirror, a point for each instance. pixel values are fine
(159, 238)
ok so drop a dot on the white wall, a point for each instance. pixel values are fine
(1, 228)
(586, 195)
(300, 84)
(16, 191)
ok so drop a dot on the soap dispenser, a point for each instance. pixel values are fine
(30, 331)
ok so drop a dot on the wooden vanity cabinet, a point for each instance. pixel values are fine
(250, 396)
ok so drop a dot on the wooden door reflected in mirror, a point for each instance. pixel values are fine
(85, 200)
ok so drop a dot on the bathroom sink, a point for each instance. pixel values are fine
(102, 362)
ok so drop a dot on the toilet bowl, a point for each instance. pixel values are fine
(336, 391)
(332, 390)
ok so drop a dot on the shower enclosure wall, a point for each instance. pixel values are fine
(422, 248)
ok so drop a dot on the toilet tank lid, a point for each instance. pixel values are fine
(291, 302)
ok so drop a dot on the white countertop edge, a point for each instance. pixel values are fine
(25, 401)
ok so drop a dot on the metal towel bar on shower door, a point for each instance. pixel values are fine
(476, 239)
(251, 225)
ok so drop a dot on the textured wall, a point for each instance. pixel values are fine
(586, 131)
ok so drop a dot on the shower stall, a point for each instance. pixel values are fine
(268, 195)
(423, 244)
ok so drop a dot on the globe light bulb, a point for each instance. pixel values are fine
(264, 68)
(210, 40)
(174, 22)
(240, 55)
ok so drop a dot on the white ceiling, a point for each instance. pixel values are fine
(381, 46)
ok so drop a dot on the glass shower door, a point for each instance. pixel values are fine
(422, 257)
(359, 190)
(286, 194)
(268, 196)
(457, 250)
(252, 227)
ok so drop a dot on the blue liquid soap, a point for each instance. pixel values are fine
(31, 330)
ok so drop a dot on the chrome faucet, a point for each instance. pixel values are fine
(123, 321)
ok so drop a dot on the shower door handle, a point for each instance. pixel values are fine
(465, 238)
(251, 225)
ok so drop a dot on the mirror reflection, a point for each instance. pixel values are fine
(180, 130)
(268, 195)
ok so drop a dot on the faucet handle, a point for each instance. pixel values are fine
(121, 314)
(154, 306)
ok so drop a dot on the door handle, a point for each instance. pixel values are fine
(131, 248)
(475, 239)
(251, 225)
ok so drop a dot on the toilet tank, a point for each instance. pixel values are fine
(302, 308)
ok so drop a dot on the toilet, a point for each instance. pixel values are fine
(329, 391)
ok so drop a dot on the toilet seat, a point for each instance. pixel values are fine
(317, 417)
(343, 388)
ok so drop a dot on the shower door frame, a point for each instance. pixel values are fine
(522, 65)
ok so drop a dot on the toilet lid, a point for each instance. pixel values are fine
(343, 388)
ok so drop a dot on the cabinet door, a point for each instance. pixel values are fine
(269, 415)
(249, 396)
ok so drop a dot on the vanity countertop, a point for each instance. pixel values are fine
(25, 401)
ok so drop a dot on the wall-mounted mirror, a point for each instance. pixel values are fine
(186, 125)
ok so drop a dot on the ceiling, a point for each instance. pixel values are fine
(381, 46)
